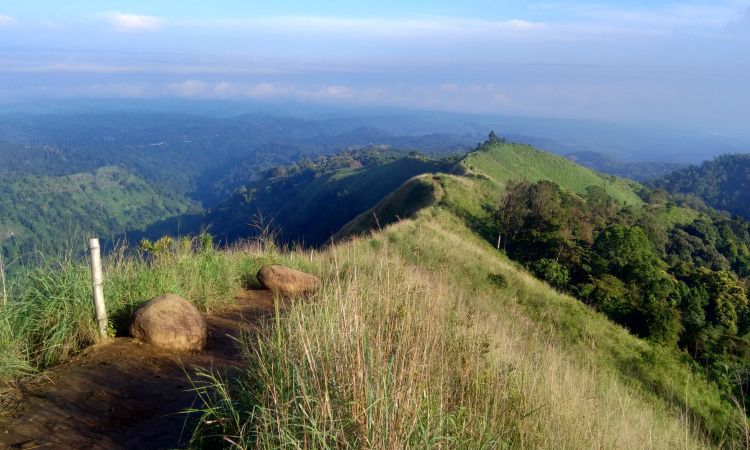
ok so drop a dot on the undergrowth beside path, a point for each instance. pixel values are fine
(50, 316)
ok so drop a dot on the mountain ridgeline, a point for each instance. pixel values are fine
(672, 275)
(668, 273)
(640, 171)
(129, 175)
(310, 201)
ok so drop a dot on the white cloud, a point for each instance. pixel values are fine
(371, 27)
(133, 22)
(119, 90)
(262, 90)
(7, 21)
(521, 24)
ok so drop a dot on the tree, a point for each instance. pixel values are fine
(511, 212)
(627, 254)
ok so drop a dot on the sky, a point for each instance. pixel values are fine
(683, 64)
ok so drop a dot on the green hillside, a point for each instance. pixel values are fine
(310, 201)
(450, 343)
(52, 214)
(672, 275)
(503, 162)
(723, 183)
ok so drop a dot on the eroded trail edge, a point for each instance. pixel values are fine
(126, 394)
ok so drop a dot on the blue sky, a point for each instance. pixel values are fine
(684, 64)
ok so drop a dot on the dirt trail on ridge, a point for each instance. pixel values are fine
(126, 394)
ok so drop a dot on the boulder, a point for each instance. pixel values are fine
(170, 321)
(288, 282)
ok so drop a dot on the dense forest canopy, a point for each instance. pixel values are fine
(722, 183)
(678, 284)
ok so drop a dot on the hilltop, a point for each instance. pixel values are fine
(311, 201)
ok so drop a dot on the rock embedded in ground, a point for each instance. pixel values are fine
(288, 282)
(169, 321)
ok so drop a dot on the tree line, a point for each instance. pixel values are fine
(679, 284)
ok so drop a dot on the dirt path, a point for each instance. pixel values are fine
(125, 394)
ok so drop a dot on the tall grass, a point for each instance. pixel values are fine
(369, 364)
(393, 354)
(49, 316)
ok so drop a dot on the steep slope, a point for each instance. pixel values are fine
(425, 336)
(659, 270)
(723, 183)
(309, 203)
(49, 213)
(502, 162)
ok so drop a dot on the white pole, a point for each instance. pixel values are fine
(96, 282)
(2, 275)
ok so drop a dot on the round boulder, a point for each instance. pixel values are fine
(288, 282)
(170, 321)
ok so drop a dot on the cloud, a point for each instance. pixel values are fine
(355, 27)
(133, 22)
(7, 21)
(686, 15)
(198, 89)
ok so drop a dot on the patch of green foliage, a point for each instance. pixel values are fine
(57, 211)
(722, 183)
(681, 286)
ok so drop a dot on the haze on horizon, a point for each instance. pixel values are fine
(680, 64)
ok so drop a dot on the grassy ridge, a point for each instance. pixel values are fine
(423, 336)
(417, 193)
(312, 204)
(502, 162)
